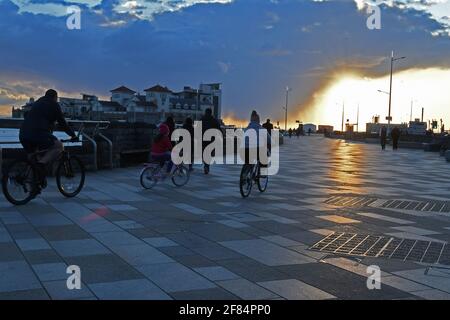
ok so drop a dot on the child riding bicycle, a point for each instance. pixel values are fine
(162, 147)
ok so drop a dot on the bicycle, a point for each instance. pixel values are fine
(251, 174)
(153, 172)
(21, 182)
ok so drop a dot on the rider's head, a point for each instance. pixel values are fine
(208, 112)
(52, 94)
(268, 120)
(254, 117)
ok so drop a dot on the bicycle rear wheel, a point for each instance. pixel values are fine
(70, 176)
(180, 176)
(149, 176)
(19, 182)
(246, 180)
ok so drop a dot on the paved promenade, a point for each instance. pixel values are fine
(333, 209)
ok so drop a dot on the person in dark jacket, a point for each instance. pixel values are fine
(36, 132)
(188, 125)
(383, 137)
(208, 122)
(395, 135)
(171, 124)
(268, 126)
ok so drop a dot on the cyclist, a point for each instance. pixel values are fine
(37, 128)
(255, 125)
(162, 147)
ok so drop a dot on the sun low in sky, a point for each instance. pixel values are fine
(416, 88)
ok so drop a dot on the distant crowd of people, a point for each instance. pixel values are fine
(298, 132)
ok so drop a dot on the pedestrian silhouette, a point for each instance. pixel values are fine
(383, 137)
(395, 135)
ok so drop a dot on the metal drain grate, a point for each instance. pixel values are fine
(364, 245)
(350, 201)
(425, 206)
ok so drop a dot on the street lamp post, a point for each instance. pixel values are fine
(389, 117)
(286, 108)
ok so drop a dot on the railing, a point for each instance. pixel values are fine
(97, 126)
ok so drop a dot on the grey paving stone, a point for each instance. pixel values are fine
(233, 224)
(116, 238)
(332, 279)
(252, 270)
(58, 291)
(432, 294)
(293, 289)
(144, 233)
(266, 252)
(216, 273)
(137, 289)
(58, 233)
(51, 271)
(40, 220)
(177, 251)
(34, 294)
(32, 244)
(103, 268)
(17, 276)
(12, 217)
(141, 254)
(9, 252)
(42, 256)
(174, 277)
(216, 252)
(205, 294)
(281, 241)
(247, 290)
(128, 224)
(22, 231)
(121, 207)
(84, 247)
(4, 236)
(160, 242)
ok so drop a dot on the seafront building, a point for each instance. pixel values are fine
(153, 106)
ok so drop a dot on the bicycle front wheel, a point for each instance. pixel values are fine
(262, 182)
(19, 182)
(149, 177)
(70, 176)
(180, 176)
(246, 180)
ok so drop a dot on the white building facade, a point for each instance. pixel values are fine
(154, 106)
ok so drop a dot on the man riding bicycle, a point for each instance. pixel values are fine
(36, 131)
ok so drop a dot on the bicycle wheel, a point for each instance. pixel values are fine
(180, 176)
(149, 176)
(246, 180)
(19, 182)
(262, 181)
(70, 176)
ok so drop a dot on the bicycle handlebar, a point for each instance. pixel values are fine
(77, 139)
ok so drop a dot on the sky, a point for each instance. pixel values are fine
(321, 49)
